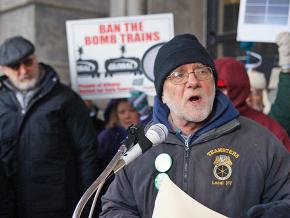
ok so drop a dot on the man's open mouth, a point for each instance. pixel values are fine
(194, 98)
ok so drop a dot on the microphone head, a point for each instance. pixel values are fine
(157, 133)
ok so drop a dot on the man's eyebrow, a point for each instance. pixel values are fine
(193, 66)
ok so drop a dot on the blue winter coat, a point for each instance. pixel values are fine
(109, 140)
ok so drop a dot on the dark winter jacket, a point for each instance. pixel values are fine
(255, 167)
(6, 195)
(49, 150)
(280, 109)
(237, 83)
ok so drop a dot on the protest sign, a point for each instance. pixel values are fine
(262, 20)
(105, 54)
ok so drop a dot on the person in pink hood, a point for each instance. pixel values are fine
(234, 79)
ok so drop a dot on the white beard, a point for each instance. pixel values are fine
(194, 114)
(25, 86)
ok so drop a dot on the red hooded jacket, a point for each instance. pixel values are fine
(237, 83)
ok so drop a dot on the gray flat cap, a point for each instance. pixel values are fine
(15, 49)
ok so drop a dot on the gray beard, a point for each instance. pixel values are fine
(25, 86)
(200, 114)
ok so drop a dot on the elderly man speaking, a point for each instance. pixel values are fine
(226, 162)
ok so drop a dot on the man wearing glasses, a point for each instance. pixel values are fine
(224, 161)
(47, 142)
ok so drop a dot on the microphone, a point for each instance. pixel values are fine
(155, 135)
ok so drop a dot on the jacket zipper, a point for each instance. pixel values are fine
(185, 175)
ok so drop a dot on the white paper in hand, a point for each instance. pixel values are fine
(172, 202)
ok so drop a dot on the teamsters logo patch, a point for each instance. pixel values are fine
(222, 169)
(222, 165)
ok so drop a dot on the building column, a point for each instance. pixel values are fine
(119, 8)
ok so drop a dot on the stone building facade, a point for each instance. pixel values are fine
(43, 21)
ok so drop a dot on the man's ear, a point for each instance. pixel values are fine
(163, 99)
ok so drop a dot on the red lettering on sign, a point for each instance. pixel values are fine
(140, 37)
(109, 28)
(100, 39)
(133, 27)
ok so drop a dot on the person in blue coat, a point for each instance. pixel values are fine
(119, 115)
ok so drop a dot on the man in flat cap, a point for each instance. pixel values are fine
(47, 141)
(225, 161)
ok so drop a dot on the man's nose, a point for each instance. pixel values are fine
(192, 80)
(22, 69)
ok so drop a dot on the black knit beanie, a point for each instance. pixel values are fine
(182, 49)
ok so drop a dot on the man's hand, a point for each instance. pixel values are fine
(283, 42)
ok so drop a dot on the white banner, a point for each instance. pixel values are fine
(263, 20)
(106, 55)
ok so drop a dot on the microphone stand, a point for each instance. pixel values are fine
(99, 181)
(114, 165)
(96, 198)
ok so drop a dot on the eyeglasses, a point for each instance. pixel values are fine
(180, 77)
(27, 62)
